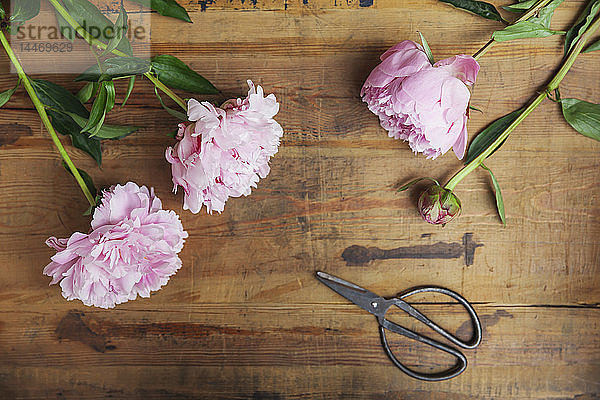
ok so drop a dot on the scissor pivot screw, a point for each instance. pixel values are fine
(374, 304)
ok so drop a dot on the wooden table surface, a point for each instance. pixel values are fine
(245, 317)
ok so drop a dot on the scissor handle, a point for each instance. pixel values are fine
(457, 369)
(461, 361)
(471, 343)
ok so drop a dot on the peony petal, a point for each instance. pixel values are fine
(188, 145)
(455, 99)
(460, 145)
(57, 244)
(462, 67)
(401, 47)
(425, 87)
(397, 66)
(202, 112)
(404, 64)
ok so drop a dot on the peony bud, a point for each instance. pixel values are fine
(438, 205)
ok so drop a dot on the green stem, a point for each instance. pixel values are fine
(479, 53)
(467, 169)
(166, 90)
(45, 120)
(583, 40)
(552, 85)
(95, 42)
(534, 10)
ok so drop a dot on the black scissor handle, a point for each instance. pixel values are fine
(461, 360)
(457, 369)
(471, 343)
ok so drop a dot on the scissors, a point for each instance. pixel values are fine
(379, 306)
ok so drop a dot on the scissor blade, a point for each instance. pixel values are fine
(339, 281)
(363, 298)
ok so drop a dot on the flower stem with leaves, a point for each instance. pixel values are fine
(581, 115)
(550, 87)
(530, 13)
(95, 42)
(45, 120)
(478, 153)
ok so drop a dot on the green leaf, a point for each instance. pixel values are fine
(413, 182)
(106, 131)
(86, 92)
(115, 131)
(523, 30)
(536, 27)
(64, 27)
(483, 9)
(490, 134)
(176, 74)
(97, 113)
(120, 29)
(90, 209)
(584, 117)
(499, 200)
(110, 95)
(65, 125)
(173, 134)
(427, 49)
(581, 25)
(520, 7)
(546, 13)
(24, 10)
(592, 47)
(63, 107)
(175, 113)
(58, 98)
(115, 67)
(95, 23)
(6, 95)
(168, 8)
(129, 90)
(90, 145)
(86, 178)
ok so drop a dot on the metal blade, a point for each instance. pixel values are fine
(363, 298)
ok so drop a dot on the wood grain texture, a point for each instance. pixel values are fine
(245, 318)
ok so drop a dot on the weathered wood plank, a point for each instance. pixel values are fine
(201, 346)
(282, 270)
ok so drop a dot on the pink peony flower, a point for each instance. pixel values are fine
(224, 151)
(421, 103)
(130, 250)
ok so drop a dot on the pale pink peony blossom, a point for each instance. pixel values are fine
(131, 250)
(225, 150)
(421, 103)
